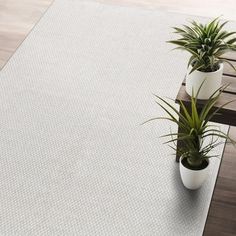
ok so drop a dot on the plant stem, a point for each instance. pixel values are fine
(194, 162)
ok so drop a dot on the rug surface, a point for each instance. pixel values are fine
(74, 158)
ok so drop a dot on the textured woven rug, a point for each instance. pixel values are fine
(74, 158)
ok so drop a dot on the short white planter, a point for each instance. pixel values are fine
(211, 82)
(193, 179)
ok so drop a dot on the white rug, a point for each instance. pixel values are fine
(74, 158)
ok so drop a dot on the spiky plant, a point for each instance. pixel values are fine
(195, 128)
(206, 43)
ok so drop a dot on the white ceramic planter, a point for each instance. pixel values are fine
(211, 82)
(193, 179)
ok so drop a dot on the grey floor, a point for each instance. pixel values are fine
(74, 158)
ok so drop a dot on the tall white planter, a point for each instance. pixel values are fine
(211, 82)
(193, 179)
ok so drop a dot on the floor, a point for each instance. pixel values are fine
(17, 18)
(222, 214)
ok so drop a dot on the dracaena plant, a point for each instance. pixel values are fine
(195, 128)
(206, 43)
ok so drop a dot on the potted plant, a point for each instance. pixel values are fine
(206, 43)
(198, 137)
